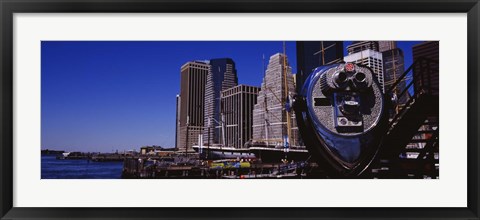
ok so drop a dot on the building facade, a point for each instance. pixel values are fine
(177, 120)
(312, 54)
(237, 103)
(370, 58)
(193, 76)
(358, 46)
(430, 51)
(426, 78)
(393, 68)
(386, 45)
(222, 76)
(269, 115)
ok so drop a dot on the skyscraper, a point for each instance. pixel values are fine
(269, 116)
(386, 45)
(222, 75)
(358, 46)
(366, 53)
(177, 119)
(193, 76)
(312, 54)
(430, 51)
(426, 79)
(393, 68)
(237, 103)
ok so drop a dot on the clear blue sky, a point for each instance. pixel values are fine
(104, 96)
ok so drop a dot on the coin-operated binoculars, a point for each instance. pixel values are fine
(342, 117)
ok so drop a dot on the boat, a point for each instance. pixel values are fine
(278, 153)
(218, 152)
(73, 156)
(63, 156)
(229, 164)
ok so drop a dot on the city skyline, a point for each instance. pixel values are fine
(104, 96)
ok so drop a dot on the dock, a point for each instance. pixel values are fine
(194, 168)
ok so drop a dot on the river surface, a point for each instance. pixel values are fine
(79, 169)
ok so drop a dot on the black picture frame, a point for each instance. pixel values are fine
(9, 7)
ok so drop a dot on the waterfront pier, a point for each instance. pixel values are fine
(194, 168)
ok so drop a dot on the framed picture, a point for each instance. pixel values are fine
(256, 110)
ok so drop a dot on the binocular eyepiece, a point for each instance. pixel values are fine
(353, 80)
(341, 115)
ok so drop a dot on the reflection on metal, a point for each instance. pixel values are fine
(342, 117)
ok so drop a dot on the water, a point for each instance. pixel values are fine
(79, 169)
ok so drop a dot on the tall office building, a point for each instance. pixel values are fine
(237, 103)
(177, 119)
(269, 117)
(428, 50)
(386, 45)
(366, 53)
(393, 68)
(193, 76)
(312, 54)
(426, 78)
(358, 46)
(222, 75)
